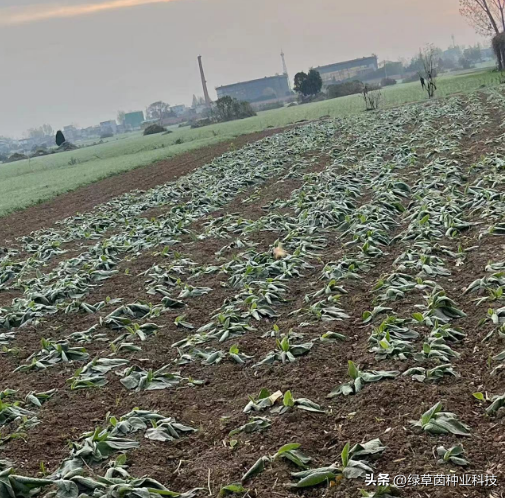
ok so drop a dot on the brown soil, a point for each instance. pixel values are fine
(382, 410)
(85, 198)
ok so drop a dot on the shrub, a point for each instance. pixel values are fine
(343, 89)
(372, 96)
(498, 44)
(107, 134)
(411, 77)
(40, 151)
(388, 82)
(16, 157)
(153, 128)
(201, 122)
(228, 109)
(272, 105)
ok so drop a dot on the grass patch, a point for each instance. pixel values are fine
(29, 182)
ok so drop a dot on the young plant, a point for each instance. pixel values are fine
(435, 374)
(263, 401)
(454, 455)
(285, 352)
(359, 378)
(435, 421)
(301, 403)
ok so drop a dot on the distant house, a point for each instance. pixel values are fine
(70, 133)
(178, 110)
(487, 53)
(133, 120)
(340, 71)
(452, 54)
(32, 143)
(91, 131)
(109, 126)
(260, 90)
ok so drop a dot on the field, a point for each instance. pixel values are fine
(311, 308)
(27, 182)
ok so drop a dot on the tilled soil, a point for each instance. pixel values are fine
(85, 198)
(210, 458)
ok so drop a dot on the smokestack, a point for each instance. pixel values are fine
(204, 84)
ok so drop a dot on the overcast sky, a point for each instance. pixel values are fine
(80, 61)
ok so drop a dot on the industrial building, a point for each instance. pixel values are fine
(335, 73)
(270, 88)
(108, 127)
(133, 120)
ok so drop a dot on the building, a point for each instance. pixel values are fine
(70, 133)
(335, 73)
(133, 120)
(259, 90)
(108, 127)
(452, 54)
(487, 54)
(178, 110)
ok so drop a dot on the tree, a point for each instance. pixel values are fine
(47, 130)
(159, 110)
(228, 108)
(314, 82)
(40, 132)
(299, 82)
(308, 84)
(486, 16)
(59, 139)
(429, 61)
(498, 45)
(121, 117)
(372, 97)
(473, 54)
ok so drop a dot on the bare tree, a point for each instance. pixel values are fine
(429, 61)
(120, 117)
(372, 97)
(47, 129)
(159, 110)
(498, 45)
(40, 132)
(486, 16)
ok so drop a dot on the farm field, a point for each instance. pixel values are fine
(311, 308)
(24, 183)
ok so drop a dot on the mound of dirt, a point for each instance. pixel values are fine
(16, 157)
(66, 146)
(153, 129)
(41, 152)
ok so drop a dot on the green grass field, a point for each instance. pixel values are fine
(27, 182)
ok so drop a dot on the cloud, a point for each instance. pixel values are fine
(10, 16)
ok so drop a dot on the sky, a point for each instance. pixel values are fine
(80, 61)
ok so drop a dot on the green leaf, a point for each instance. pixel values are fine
(288, 399)
(428, 415)
(353, 371)
(258, 467)
(287, 447)
(232, 489)
(344, 454)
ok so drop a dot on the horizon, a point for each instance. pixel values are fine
(99, 57)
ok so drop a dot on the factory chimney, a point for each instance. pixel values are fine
(285, 70)
(204, 84)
